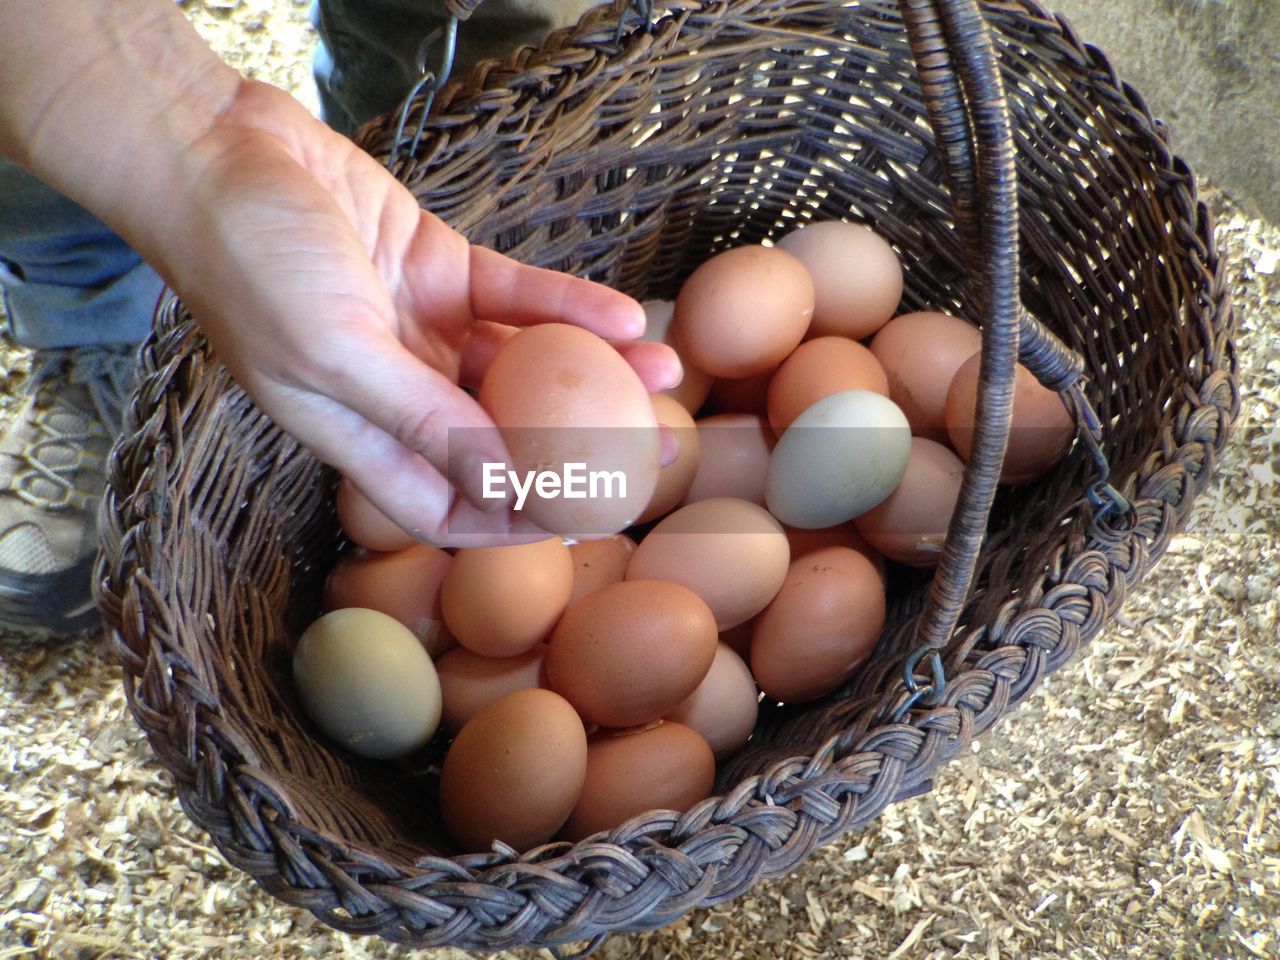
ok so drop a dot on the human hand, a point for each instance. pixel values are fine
(345, 311)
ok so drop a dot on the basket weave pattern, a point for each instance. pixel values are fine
(631, 163)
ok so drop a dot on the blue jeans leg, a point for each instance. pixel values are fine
(67, 279)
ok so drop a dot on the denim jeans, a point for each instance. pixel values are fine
(69, 281)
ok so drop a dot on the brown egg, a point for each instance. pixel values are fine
(723, 708)
(807, 541)
(674, 479)
(748, 395)
(580, 429)
(1040, 432)
(598, 563)
(365, 524)
(733, 458)
(500, 601)
(920, 353)
(731, 553)
(845, 535)
(664, 767)
(742, 311)
(631, 651)
(404, 584)
(857, 278)
(366, 682)
(911, 524)
(692, 389)
(514, 772)
(817, 369)
(470, 682)
(820, 628)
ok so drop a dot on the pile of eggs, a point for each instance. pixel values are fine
(601, 672)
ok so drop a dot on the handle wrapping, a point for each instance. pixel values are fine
(962, 88)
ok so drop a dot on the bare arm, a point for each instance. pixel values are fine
(341, 307)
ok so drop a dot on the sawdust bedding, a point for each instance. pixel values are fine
(1129, 808)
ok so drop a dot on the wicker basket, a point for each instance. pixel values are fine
(630, 156)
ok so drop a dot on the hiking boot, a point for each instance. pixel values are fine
(52, 477)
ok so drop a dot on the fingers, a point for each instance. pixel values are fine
(669, 446)
(481, 346)
(507, 291)
(418, 408)
(424, 503)
(505, 295)
(401, 484)
(429, 507)
(655, 363)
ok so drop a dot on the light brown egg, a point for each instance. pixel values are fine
(366, 682)
(820, 628)
(911, 524)
(664, 767)
(920, 353)
(731, 553)
(817, 369)
(723, 708)
(742, 311)
(844, 535)
(733, 458)
(514, 772)
(598, 563)
(631, 651)
(857, 278)
(500, 601)
(674, 479)
(1040, 433)
(693, 388)
(470, 682)
(573, 413)
(807, 541)
(404, 584)
(365, 524)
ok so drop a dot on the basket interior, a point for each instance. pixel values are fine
(632, 171)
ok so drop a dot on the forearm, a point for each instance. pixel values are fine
(104, 100)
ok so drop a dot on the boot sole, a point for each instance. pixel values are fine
(25, 605)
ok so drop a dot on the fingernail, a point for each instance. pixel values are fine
(675, 372)
(669, 446)
(635, 323)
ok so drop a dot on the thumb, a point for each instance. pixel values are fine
(421, 410)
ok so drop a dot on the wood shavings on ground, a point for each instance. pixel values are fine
(1128, 809)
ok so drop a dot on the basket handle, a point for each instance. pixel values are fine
(968, 113)
(962, 88)
(1053, 363)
